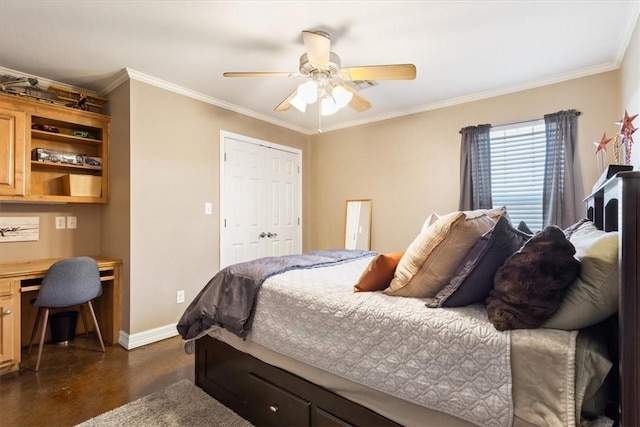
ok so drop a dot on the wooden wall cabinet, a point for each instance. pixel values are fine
(25, 125)
(9, 325)
(12, 151)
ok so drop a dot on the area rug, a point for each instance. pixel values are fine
(180, 404)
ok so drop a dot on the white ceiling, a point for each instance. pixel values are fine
(463, 50)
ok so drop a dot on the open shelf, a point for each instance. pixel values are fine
(60, 137)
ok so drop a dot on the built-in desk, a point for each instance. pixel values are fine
(19, 283)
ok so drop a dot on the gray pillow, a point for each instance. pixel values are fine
(522, 226)
(473, 278)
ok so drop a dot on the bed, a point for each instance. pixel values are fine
(304, 349)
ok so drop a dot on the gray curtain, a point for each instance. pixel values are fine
(558, 194)
(475, 168)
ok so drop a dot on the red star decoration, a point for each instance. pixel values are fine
(626, 124)
(602, 145)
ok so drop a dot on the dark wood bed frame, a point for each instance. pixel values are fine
(269, 396)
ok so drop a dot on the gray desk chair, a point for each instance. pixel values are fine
(69, 282)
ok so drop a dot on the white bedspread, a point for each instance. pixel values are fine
(452, 360)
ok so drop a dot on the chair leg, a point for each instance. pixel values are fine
(42, 334)
(35, 328)
(84, 320)
(95, 323)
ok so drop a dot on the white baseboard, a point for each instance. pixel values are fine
(147, 337)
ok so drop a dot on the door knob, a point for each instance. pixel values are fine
(6, 313)
(262, 235)
(272, 235)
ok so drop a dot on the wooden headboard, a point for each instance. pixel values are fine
(615, 205)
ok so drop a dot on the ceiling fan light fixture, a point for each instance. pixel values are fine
(308, 92)
(341, 96)
(328, 106)
(299, 103)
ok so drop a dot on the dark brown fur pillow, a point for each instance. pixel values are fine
(529, 286)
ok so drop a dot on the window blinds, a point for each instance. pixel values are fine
(517, 171)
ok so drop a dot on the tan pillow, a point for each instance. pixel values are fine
(379, 273)
(430, 261)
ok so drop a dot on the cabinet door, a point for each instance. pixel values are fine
(9, 326)
(12, 152)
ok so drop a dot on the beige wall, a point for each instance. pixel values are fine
(410, 166)
(174, 170)
(630, 88)
(115, 225)
(53, 243)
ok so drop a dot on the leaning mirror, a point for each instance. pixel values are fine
(358, 224)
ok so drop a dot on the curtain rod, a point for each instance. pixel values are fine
(576, 112)
(533, 120)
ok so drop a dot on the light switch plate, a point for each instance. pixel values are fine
(72, 222)
(61, 223)
(208, 208)
(179, 297)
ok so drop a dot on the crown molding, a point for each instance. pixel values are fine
(128, 73)
(478, 96)
(627, 33)
(120, 77)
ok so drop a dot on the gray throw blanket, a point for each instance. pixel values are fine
(229, 297)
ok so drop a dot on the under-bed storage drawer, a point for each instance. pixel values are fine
(251, 388)
(275, 406)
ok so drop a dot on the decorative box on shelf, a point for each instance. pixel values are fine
(76, 185)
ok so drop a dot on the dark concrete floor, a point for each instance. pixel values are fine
(78, 382)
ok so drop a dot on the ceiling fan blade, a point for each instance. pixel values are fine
(260, 74)
(358, 103)
(318, 46)
(380, 72)
(285, 105)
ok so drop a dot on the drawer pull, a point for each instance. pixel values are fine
(6, 313)
(273, 408)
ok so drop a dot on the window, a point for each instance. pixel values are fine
(517, 170)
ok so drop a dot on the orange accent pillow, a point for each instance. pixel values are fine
(379, 273)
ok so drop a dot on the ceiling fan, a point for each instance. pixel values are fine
(327, 78)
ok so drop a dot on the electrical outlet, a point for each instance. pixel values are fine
(179, 297)
(72, 222)
(61, 223)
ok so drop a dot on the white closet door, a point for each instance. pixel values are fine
(243, 202)
(282, 213)
(260, 200)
